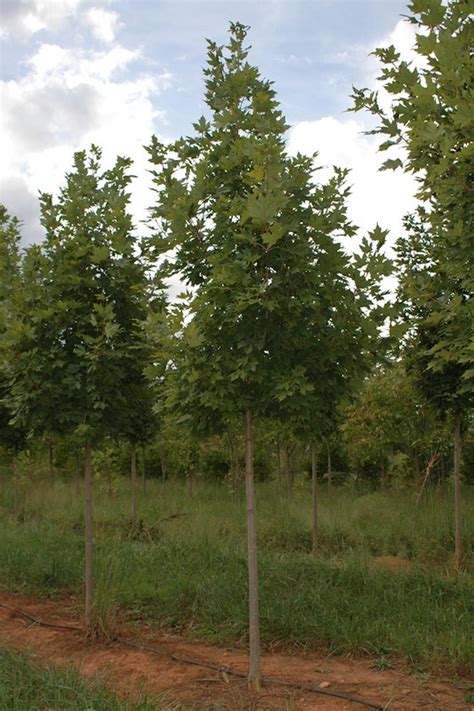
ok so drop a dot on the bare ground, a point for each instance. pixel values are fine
(128, 670)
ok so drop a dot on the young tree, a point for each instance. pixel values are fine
(431, 117)
(12, 437)
(256, 240)
(141, 297)
(73, 336)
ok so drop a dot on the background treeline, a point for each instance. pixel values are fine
(386, 437)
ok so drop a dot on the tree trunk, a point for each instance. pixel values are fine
(16, 492)
(110, 484)
(289, 478)
(133, 473)
(143, 468)
(163, 467)
(50, 460)
(429, 468)
(457, 490)
(255, 672)
(278, 449)
(88, 533)
(314, 497)
(329, 469)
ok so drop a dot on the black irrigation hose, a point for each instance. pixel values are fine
(204, 665)
(241, 675)
(35, 620)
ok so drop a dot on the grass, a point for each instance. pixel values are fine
(192, 575)
(28, 685)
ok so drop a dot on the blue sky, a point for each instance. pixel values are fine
(77, 71)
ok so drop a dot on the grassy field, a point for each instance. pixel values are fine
(27, 684)
(186, 567)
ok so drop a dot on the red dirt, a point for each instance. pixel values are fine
(392, 562)
(129, 670)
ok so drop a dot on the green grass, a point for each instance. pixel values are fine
(366, 523)
(26, 685)
(193, 576)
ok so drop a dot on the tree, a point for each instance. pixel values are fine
(256, 241)
(73, 335)
(141, 296)
(389, 429)
(431, 118)
(12, 437)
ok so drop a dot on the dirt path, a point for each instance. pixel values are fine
(126, 669)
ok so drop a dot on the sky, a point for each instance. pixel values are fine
(76, 72)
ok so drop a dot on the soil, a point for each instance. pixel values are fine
(127, 669)
(392, 562)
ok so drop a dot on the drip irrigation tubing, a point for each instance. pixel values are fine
(36, 621)
(200, 663)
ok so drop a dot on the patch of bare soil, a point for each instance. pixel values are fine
(128, 669)
(392, 562)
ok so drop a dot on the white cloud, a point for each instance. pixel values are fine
(383, 197)
(104, 24)
(66, 100)
(23, 18)
(403, 38)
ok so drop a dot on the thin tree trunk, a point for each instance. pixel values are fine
(88, 533)
(163, 467)
(255, 672)
(429, 468)
(314, 497)
(143, 468)
(278, 449)
(50, 460)
(457, 489)
(442, 480)
(196, 471)
(110, 486)
(329, 469)
(133, 473)
(289, 478)
(16, 493)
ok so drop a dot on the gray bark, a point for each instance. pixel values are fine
(133, 473)
(457, 490)
(16, 487)
(255, 671)
(88, 534)
(50, 460)
(314, 497)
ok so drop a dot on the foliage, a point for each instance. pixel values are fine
(431, 117)
(388, 430)
(11, 436)
(270, 322)
(75, 339)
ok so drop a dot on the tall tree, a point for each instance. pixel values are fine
(431, 117)
(12, 437)
(73, 336)
(256, 240)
